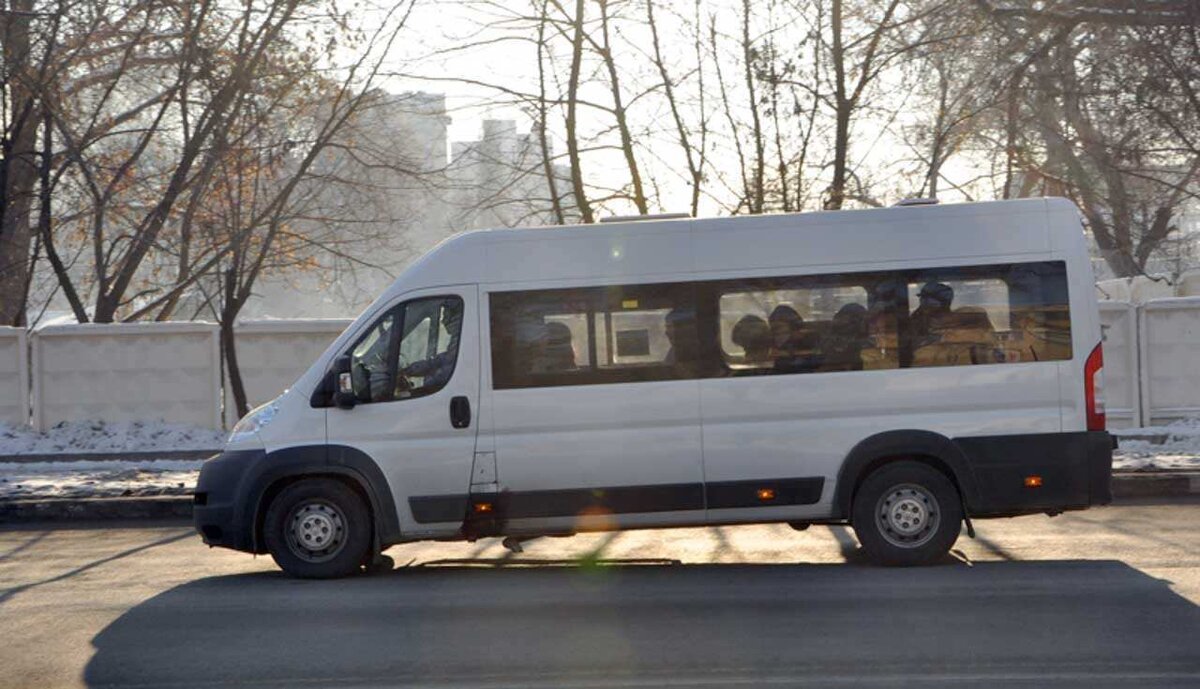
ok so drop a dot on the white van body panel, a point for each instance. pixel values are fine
(706, 430)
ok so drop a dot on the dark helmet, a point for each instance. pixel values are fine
(937, 292)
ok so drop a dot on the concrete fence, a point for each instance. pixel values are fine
(14, 377)
(1169, 339)
(172, 371)
(273, 354)
(1119, 324)
(126, 372)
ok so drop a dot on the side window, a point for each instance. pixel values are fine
(1008, 313)
(428, 348)
(410, 352)
(371, 361)
(989, 315)
(808, 325)
(592, 335)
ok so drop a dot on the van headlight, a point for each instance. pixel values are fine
(254, 422)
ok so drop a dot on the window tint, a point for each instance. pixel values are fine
(370, 362)
(991, 315)
(808, 324)
(593, 335)
(415, 359)
(997, 314)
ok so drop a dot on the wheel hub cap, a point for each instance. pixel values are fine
(907, 516)
(317, 531)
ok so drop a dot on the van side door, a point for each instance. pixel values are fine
(415, 372)
(595, 406)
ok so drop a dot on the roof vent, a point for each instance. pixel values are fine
(641, 218)
(917, 202)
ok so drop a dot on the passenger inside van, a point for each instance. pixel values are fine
(679, 326)
(882, 348)
(752, 334)
(794, 345)
(842, 347)
(786, 327)
(935, 301)
(555, 350)
(959, 338)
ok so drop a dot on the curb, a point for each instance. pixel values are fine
(1159, 484)
(95, 509)
(166, 455)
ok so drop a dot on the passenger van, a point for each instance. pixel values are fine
(902, 370)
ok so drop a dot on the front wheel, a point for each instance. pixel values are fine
(318, 528)
(906, 513)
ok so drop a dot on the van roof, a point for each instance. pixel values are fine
(657, 249)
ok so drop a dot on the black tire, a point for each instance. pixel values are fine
(317, 509)
(906, 513)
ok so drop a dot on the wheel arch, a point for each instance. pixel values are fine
(927, 447)
(348, 465)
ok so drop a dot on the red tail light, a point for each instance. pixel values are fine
(1093, 389)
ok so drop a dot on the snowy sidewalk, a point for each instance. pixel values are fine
(1175, 447)
(103, 460)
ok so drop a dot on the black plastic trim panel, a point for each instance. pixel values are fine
(990, 471)
(673, 497)
(234, 485)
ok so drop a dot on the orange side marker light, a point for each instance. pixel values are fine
(1033, 481)
(483, 507)
(765, 494)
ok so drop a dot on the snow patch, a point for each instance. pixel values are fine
(1179, 449)
(1175, 431)
(94, 479)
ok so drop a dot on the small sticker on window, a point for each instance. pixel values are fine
(629, 303)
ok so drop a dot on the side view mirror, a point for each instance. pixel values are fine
(343, 392)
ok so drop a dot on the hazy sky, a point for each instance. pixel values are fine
(451, 40)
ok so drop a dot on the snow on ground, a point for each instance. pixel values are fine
(99, 436)
(1179, 449)
(97, 479)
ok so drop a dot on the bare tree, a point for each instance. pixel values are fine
(694, 146)
(1096, 111)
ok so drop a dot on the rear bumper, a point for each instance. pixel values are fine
(1075, 471)
(218, 509)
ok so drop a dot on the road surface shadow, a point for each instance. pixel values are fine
(8, 593)
(1084, 623)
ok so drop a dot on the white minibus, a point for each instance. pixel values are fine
(902, 370)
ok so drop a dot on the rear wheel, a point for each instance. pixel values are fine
(318, 528)
(906, 513)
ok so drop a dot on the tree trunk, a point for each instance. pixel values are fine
(695, 175)
(841, 138)
(581, 202)
(635, 176)
(18, 166)
(757, 197)
(229, 352)
(543, 113)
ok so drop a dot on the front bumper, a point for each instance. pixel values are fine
(220, 511)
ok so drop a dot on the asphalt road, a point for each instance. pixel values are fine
(1102, 598)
